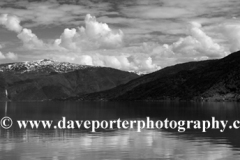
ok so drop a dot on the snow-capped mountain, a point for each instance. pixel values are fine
(45, 65)
(47, 79)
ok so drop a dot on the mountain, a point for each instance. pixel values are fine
(44, 66)
(211, 80)
(47, 79)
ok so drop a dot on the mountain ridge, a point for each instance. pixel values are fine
(211, 80)
(47, 79)
(37, 66)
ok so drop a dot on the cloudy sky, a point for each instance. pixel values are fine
(133, 35)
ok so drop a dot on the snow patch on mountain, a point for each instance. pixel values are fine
(44, 65)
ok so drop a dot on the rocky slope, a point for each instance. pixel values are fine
(205, 80)
(47, 79)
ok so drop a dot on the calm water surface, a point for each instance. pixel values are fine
(118, 144)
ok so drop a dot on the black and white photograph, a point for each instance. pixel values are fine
(119, 80)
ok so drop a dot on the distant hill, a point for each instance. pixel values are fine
(48, 79)
(214, 80)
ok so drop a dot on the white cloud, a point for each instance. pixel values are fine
(91, 45)
(29, 39)
(11, 56)
(99, 45)
(67, 39)
(12, 23)
(198, 44)
(232, 34)
(52, 12)
(149, 56)
(101, 32)
(124, 62)
(140, 63)
(95, 35)
(86, 60)
(2, 56)
(201, 58)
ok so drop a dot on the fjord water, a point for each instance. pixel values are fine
(56, 144)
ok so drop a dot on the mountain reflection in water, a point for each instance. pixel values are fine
(118, 144)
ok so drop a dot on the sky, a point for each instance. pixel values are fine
(132, 35)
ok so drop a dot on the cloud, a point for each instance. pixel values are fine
(12, 23)
(98, 31)
(95, 35)
(99, 44)
(55, 12)
(131, 63)
(155, 11)
(198, 44)
(29, 39)
(149, 56)
(9, 56)
(67, 39)
(2, 56)
(232, 33)
(140, 63)
(90, 45)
